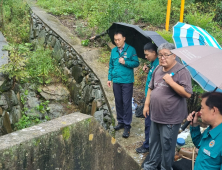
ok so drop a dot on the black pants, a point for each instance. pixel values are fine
(123, 99)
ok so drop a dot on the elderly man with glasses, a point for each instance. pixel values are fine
(166, 101)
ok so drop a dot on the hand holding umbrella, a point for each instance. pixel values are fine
(206, 61)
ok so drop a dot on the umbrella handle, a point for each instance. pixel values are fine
(172, 74)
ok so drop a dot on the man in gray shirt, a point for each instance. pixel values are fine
(166, 101)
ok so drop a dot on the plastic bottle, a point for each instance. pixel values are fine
(180, 143)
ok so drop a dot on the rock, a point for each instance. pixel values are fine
(41, 38)
(56, 110)
(77, 73)
(87, 94)
(107, 119)
(97, 94)
(6, 128)
(57, 51)
(52, 41)
(36, 32)
(31, 105)
(55, 92)
(11, 99)
(66, 71)
(75, 91)
(6, 86)
(70, 63)
(15, 114)
(3, 102)
(99, 117)
(32, 102)
(16, 88)
(106, 112)
(84, 108)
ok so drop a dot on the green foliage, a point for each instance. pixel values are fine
(66, 133)
(85, 42)
(196, 87)
(17, 62)
(30, 66)
(167, 35)
(202, 20)
(218, 11)
(206, 22)
(43, 107)
(26, 121)
(104, 56)
(101, 13)
(16, 21)
(41, 66)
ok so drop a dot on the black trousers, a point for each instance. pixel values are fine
(123, 99)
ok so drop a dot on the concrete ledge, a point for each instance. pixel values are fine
(72, 142)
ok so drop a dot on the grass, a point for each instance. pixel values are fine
(100, 14)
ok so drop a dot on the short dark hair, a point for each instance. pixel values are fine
(214, 99)
(150, 47)
(119, 32)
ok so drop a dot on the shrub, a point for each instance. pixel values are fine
(16, 21)
(206, 22)
(167, 35)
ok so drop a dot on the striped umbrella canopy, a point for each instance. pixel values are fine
(189, 35)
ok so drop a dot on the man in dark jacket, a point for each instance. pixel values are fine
(122, 61)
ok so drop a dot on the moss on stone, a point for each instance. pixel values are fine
(89, 120)
(66, 133)
(37, 142)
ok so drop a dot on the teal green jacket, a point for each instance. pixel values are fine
(210, 148)
(153, 66)
(119, 73)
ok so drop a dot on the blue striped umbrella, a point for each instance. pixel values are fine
(190, 35)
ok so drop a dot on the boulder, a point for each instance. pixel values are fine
(55, 110)
(57, 51)
(55, 92)
(99, 117)
(6, 85)
(84, 108)
(75, 91)
(15, 114)
(31, 105)
(3, 102)
(41, 38)
(11, 99)
(77, 73)
(6, 128)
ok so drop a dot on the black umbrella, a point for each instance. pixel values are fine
(155, 37)
(135, 36)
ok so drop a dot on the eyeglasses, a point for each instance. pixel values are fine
(164, 56)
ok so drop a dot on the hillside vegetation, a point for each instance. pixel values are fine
(99, 14)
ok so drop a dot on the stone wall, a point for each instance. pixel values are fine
(10, 109)
(72, 142)
(85, 87)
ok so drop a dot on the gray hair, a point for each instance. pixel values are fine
(168, 46)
